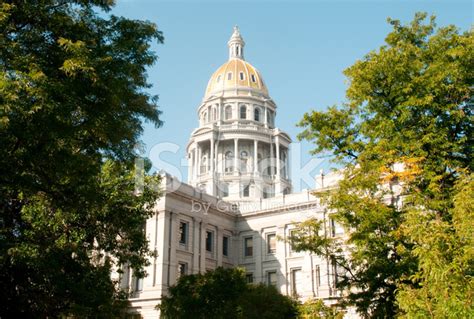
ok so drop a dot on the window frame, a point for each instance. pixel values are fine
(268, 275)
(185, 267)
(243, 112)
(248, 250)
(183, 238)
(246, 191)
(270, 251)
(225, 245)
(249, 278)
(294, 287)
(256, 114)
(228, 112)
(211, 240)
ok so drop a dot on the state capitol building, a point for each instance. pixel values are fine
(237, 206)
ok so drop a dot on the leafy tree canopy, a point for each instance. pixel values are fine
(224, 293)
(405, 138)
(72, 101)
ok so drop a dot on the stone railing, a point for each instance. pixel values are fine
(248, 127)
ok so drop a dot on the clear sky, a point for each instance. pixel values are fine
(300, 47)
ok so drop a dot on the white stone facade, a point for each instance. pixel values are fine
(238, 207)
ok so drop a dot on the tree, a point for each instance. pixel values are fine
(316, 309)
(266, 302)
(224, 293)
(405, 139)
(72, 102)
(445, 250)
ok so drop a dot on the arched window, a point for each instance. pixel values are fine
(204, 164)
(228, 112)
(259, 162)
(214, 114)
(225, 189)
(204, 117)
(271, 118)
(244, 156)
(256, 114)
(243, 112)
(229, 162)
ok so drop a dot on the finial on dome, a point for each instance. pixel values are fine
(236, 31)
(236, 45)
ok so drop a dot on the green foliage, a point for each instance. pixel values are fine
(263, 301)
(316, 309)
(445, 250)
(404, 135)
(72, 102)
(224, 293)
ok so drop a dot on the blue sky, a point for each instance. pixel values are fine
(300, 47)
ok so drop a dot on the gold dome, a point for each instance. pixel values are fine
(236, 74)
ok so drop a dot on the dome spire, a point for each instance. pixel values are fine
(236, 45)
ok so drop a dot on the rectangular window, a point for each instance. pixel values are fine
(248, 246)
(332, 227)
(229, 76)
(225, 187)
(272, 278)
(292, 233)
(249, 278)
(246, 191)
(138, 284)
(271, 243)
(336, 228)
(183, 233)
(182, 269)
(241, 74)
(317, 275)
(209, 240)
(253, 78)
(295, 281)
(225, 246)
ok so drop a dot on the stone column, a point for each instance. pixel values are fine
(202, 257)
(236, 155)
(217, 246)
(195, 155)
(212, 155)
(198, 164)
(190, 165)
(255, 157)
(278, 166)
(266, 117)
(172, 259)
(272, 157)
(196, 244)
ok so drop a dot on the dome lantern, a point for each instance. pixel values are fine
(236, 45)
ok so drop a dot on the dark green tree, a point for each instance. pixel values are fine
(224, 293)
(72, 101)
(263, 301)
(405, 139)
